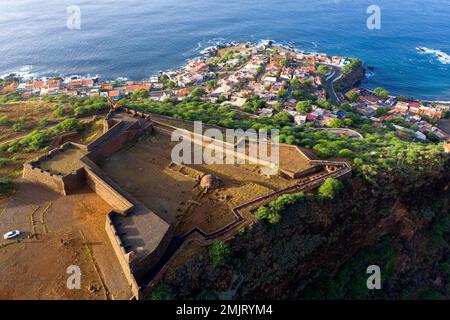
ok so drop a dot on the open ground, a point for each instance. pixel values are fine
(70, 230)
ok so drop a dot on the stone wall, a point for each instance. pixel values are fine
(123, 257)
(111, 196)
(141, 267)
(74, 181)
(301, 174)
(37, 175)
(229, 149)
(113, 142)
(63, 184)
(115, 129)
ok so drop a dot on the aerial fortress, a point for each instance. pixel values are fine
(140, 237)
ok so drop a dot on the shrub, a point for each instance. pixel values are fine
(68, 125)
(4, 162)
(4, 121)
(264, 213)
(336, 123)
(79, 111)
(58, 112)
(19, 126)
(6, 186)
(330, 188)
(35, 140)
(161, 292)
(42, 123)
(346, 153)
(13, 96)
(322, 69)
(218, 252)
(304, 107)
(272, 212)
(198, 92)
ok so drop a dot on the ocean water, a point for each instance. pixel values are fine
(137, 38)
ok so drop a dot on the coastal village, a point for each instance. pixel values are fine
(261, 80)
(104, 180)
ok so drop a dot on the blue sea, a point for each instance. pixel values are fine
(138, 38)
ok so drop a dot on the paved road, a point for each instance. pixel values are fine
(444, 125)
(336, 74)
(343, 131)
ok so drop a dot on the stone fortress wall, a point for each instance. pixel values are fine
(64, 184)
(136, 254)
(117, 133)
(122, 256)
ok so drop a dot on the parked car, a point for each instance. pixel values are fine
(11, 234)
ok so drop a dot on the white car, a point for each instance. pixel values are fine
(11, 234)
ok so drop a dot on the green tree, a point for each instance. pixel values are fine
(219, 252)
(336, 123)
(284, 63)
(294, 82)
(283, 93)
(266, 214)
(381, 111)
(212, 84)
(346, 153)
(304, 107)
(352, 96)
(198, 92)
(323, 70)
(68, 125)
(283, 117)
(278, 106)
(330, 188)
(383, 94)
(170, 85)
(139, 95)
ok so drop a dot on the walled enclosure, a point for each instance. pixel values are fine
(119, 130)
(138, 236)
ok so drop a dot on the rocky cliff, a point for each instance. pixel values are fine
(352, 75)
(322, 249)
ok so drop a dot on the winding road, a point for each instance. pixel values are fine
(343, 131)
(335, 75)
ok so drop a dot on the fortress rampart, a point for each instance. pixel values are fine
(108, 193)
(139, 237)
(70, 167)
(123, 257)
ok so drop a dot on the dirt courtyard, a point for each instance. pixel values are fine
(57, 232)
(172, 191)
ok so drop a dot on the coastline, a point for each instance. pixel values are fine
(26, 74)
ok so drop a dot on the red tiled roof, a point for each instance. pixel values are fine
(87, 82)
(38, 84)
(138, 87)
(114, 93)
(414, 105)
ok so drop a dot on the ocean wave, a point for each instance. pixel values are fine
(24, 72)
(369, 74)
(443, 57)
